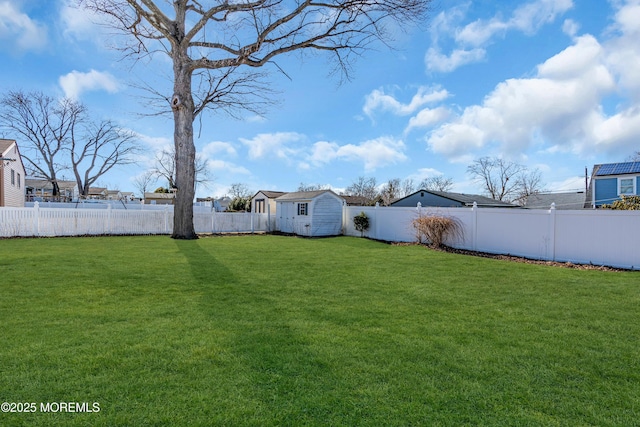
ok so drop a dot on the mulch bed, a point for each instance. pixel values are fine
(521, 259)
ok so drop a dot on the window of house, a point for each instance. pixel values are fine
(626, 185)
(303, 208)
(18, 180)
(13, 177)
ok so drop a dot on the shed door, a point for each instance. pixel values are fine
(286, 216)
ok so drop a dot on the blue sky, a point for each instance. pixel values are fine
(551, 84)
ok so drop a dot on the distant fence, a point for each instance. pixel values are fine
(600, 237)
(45, 222)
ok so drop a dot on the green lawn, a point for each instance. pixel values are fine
(271, 330)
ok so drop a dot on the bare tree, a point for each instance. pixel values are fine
(437, 183)
(528, 183)
(408, 187)
(144, 181)
(97, 150)
(635, 157)
(45, 126)
(165, 167)
(365, 188)
(60, 135)
(313, 187)
(391, 191)
(239, 190)
(504, 180)
(223, 38)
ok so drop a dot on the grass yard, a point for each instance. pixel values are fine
(272, 330)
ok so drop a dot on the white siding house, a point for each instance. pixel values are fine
(310, 213)
(12, 175)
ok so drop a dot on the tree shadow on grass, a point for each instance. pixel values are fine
(268, 361)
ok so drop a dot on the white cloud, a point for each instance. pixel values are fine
(373, 153)
(219, 147)
(227, 167)
(273, 144)
(561, 106)
(437, 61)
(471, 40)
(76, 82)
(428, 117)
(379, 100)
(18, 32)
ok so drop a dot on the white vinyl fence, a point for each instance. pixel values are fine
(599, 237)
(45, 222)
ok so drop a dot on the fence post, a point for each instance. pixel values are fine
(252, 215)
(109, 218)
(213, 220)
(551, 248)
(166, 219)
(375, 214)
(36, 218)
(474, 226)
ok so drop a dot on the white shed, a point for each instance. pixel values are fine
(310, 213)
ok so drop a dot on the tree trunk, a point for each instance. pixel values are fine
(183, 113)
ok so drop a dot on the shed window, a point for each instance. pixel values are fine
(303, 208)
(626, 186)
(260, 206)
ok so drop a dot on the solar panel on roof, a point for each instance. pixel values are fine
(618, 168)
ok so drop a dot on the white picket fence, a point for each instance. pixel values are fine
(599, 237)
(47, 222)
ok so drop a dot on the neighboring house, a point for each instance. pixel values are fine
(356, 200)
(609, 181)
(98, 193)
(41, 190)
(310, 213)
(114, 195)
(159, 198)
(12, 175)
(264, 201)
(442, 199)
(563, 201)
(222, 204)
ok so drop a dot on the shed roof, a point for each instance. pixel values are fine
(271, 194)
(304, 195)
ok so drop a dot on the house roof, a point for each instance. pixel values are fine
(565, 201)
(5, 144)
(464, 199)
(304, 195)
(616, 168)
(270, 194)
(355, 200)
(159, 195)
(46, 184)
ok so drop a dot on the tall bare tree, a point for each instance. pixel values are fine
(59, 135)
(363, 187)
(165, 167)
(144, 181)
(437, 183)
(212, 40)
(98, 149)
(505, 180)
(45, 126)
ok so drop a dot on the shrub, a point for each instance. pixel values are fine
(434, 230)
(361, 222)
(631, 203)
